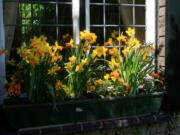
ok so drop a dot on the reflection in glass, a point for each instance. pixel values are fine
(112, 15)
(96, 14)
(140, 15)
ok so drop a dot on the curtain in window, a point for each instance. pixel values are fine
(10, 17)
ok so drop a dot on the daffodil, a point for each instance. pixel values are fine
(130, 32)
(113, 63)
(69, 66)
(122, 37)
(72, 59)
(79, 68)
(101, 51)
(106, 76)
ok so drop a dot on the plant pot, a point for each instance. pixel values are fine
(21, 116)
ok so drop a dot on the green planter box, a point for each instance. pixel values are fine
(21, 116)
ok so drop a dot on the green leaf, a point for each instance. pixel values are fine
(134, 84)
(32, 86)
(53, 95)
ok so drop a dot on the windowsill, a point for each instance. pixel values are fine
(94, 125)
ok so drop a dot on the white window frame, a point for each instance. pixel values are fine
(150, 33)
(2, 57)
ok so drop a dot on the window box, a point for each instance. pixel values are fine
(21, 116)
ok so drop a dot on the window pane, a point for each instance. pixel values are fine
(64, 14)
(96, 1)
(110, 30)
(96, 14)
(29, 32)
(112, 15)
(99, 31)
(112, 1)
(64, 0)
(64, 31)
(47, 13)
(140, 1)
(140, 34)
(126, 15)
(140, 15)
(50, 33)
(126, 1)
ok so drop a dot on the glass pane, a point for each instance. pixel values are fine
(140, 34)
(96, 1)
(64, 14)
(29, 32)
(65, 34)
(112, 1)
(110, 31)
(126, 1)
(50, 33)
(112, 15)
(140, 1)
(99, 31)
(96, 14)
(47, 13)
(64, 0)
(140, 15)
(126, 13)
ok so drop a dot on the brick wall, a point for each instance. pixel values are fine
(161, 33)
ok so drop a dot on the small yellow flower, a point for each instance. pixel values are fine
(113, 78)
(69, 66)
(92, 88)
(113, 63)
(94, 54)
(106, 76)
(101, 51)
(72, 59)
(79, 68)
(98, 82)
(130, 32)
(84, 61)
(121, 38)
(11, 62)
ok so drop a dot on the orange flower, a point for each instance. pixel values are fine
(1, 52)
(60, 57)
(39, 53)
(34, 44)
(17, 92)
(68, 44)
(17, 86)
(13, 78)
(127, 85)
(152, 48)
(115, 73)
(92, 88)
(106, 43)
(121, 80)
(10, 90)
(60, 48)
(154, 75)
(161, 81)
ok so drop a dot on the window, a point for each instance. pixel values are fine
(54, 18)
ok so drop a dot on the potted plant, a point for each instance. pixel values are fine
(85, 92)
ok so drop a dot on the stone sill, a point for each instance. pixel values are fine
(92, 125)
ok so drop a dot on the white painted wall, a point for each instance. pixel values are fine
(2, 57)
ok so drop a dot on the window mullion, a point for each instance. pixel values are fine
(2, 57)
(75, 15)
(87, 7)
